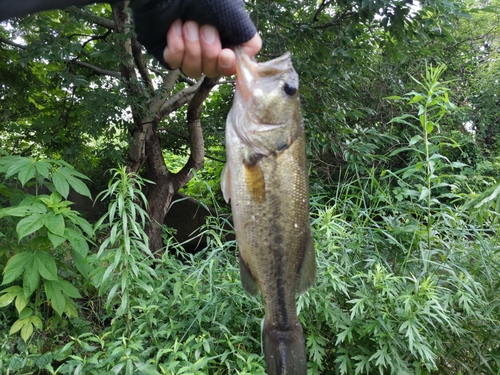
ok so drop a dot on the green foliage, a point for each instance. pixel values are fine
(45, 228)
(123, 260)
(400, 261)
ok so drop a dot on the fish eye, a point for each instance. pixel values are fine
(289, 89)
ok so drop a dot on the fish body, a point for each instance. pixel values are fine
(266, 180)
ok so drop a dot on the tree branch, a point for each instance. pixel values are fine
(322, 6)
(141, 66)
(11, 43)
(196, 144)
(85, 15)
(176, 101)
(96, 69)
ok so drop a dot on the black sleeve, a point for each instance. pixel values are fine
(19, 8)
(152, 19)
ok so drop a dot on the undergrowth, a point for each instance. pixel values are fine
(407, 280)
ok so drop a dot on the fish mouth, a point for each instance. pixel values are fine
(248, 70)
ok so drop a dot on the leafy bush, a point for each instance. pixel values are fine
(39, 232)
(409, 277)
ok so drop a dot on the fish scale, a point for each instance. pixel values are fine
(266, 180)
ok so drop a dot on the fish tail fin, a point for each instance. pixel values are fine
(285, 351)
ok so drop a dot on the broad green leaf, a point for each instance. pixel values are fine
(70, 309)
(56, 240)
(20, 211)
(77, 241)
(429, 127)
(69, 289)
(18, 324)
(74, 182)
(53, 290)
(15, 266)
(26, 173)
(43, 168)
(82, 223)
(25, 313)
(27, 330)
(61, 184)
(31, 277)
(21, 301)
(17, 165)
(80, 262)
(55, 224)
(46, 265)
(7, 298)
(415, 139)
(29, 225)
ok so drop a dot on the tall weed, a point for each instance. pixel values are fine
(409, 279)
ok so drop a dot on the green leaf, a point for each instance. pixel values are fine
(25, 313)
(31, 278)
(27, 330)
(429, 127)
(20, 211)
(77, 241)
(46, 265)
(82, 223)
(29, 225)
(21, 301)
(53, 290)
(78, 185)
(55, 224)
(15, 266)
(80, 262)
(25, 323)
(56, 240)
(60, 184)
(70, 309)
(26, 173)
(7, 298)
(69, 289)
(43, 168)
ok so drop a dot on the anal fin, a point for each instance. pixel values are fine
(247, 280)
(307, 272)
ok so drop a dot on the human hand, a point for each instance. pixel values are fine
(197, 49)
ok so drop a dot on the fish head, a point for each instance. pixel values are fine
(267, 109)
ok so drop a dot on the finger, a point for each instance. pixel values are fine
(210, 49)
(253, 45)
(174, 51)
(226, 63)
(192, 62)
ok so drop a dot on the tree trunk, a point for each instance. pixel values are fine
(160, 194)
(149, 106)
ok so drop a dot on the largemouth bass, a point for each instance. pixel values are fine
(266, 179)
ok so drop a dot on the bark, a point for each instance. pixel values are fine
(160, 194)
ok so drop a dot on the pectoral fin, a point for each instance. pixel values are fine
(307, 273)
(247, 280)
(254, 181)
(225, 183)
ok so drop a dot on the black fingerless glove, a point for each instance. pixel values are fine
(153, 18)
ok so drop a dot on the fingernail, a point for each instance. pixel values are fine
(177, 25)
(209, 34)
(192, 31)
(225, 61)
